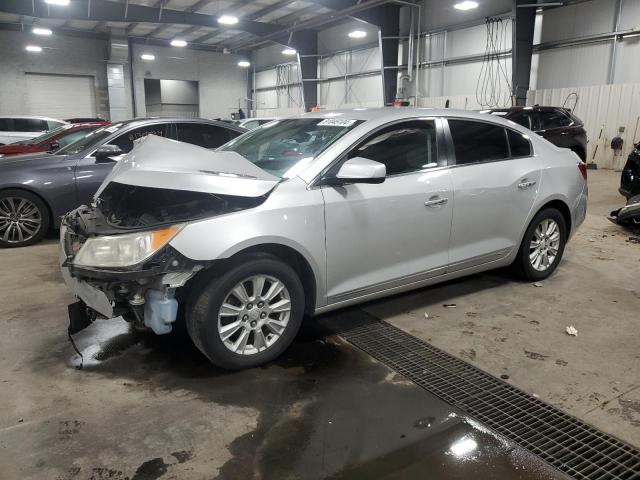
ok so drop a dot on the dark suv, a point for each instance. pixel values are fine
(36, 189)
(630, 178)
(556, 124)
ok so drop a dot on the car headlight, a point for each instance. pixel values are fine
(124, 250)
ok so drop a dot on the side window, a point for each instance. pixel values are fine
(6, 125)
(207, 136)
(522, 118)
(403, 148)
(520, 146)
(29, 125)
(476, 142)
(51, 124)
(125, 141)
(554, 119)
(72, 137)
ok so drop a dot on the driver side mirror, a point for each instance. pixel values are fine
(359, 170)
(104, 153)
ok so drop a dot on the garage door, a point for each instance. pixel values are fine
(60, 96)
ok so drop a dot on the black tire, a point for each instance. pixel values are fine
(523, 264)
(42, 212)
(211, 291)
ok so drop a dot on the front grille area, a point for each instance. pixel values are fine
(563, 441)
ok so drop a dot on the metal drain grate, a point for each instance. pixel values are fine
(565, 442)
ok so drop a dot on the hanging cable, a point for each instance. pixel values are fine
(493, 88)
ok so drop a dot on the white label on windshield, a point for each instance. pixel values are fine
(112, 129)
(336, 122)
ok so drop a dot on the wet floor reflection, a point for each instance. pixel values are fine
(326, 409)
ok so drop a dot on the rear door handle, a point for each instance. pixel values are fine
(436, 201)
(525, 185)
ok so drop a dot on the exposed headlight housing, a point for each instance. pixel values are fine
(124, 250)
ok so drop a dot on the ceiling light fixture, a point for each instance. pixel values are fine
(147, 56)
(41, 31)
(358, 34)
(228, 20)
(33, 48)
(289, 51)
(62, 3)
(244, 64)
(466, 5)
(178, 43)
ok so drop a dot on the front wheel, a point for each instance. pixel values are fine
(542, 246)
(24, 218)
(248, 315)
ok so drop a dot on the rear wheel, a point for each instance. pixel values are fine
(248, 315)
(24, 218)
(542, 246)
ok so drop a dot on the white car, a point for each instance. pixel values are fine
(15, 128)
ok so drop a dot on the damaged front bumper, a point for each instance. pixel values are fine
(145, 294)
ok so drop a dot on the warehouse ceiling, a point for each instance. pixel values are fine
(195, 20)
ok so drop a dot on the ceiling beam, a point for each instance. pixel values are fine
(107, 11)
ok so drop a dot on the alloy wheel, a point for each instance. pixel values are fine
(20, 219)
(254, 314)
(544, 245)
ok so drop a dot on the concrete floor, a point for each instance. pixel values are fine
(150, 407)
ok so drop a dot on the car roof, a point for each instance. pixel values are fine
(395, 113)
(32, 117)
(135, 122)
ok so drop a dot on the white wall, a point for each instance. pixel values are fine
(60, 55)
(221, 83)
(585, 65)
(603, 109)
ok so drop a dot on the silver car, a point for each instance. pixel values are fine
(313, 213)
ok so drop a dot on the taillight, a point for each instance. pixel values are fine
(583, 169)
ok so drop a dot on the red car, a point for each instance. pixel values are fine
(51, 140)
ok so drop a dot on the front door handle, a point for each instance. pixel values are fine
(525, 185)
(436, 201)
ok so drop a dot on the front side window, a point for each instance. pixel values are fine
(126, 140)
(281, 145)
(206, 136)
(475, 142)
(523, 118)
(402, 148)
(554, 119)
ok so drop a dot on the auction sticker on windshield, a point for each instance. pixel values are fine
(336, 122)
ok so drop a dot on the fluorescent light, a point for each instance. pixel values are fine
(147, 56)
(33, 48)
(466, 5)
(228, 20)
(244, 64)
(289, 51)
(41, 31)
(178, 43)
(358, 34)
(63, 3)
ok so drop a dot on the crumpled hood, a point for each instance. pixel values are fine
(159, 162)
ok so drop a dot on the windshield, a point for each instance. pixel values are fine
(90, 140)
(45, 136)
(281, 145)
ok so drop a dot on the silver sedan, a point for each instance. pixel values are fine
(313, 213)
